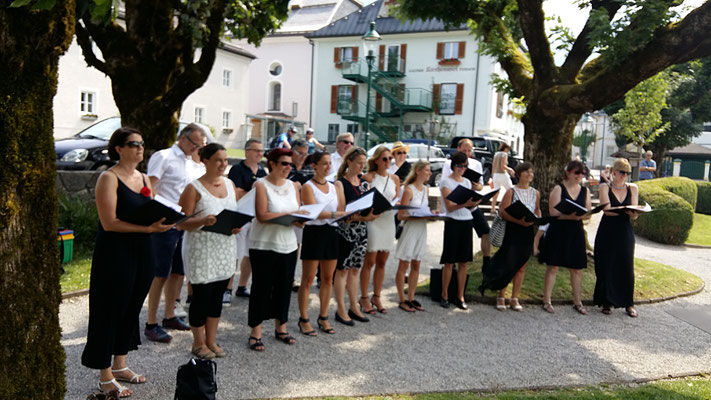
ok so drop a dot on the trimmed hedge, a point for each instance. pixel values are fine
(679, 185)
(672, 217)
(703, 199)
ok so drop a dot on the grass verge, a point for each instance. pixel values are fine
(693, 388)
(700, 232)
(235, 153)
(652, 280)
(76, 274)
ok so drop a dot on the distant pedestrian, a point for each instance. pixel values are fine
(647, 167)
(501, 174)
(312, 142)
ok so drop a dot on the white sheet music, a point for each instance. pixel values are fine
(245, 205)
(361, 203)
(167, 203)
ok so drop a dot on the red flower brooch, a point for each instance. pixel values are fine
(145, 191)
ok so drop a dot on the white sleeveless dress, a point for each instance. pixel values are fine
(412, 244)
(209, 256)
(381, 232)
(275, 237)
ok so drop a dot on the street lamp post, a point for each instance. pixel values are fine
(585, 125)
(432, 129)
(369, 40)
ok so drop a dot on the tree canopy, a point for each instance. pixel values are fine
(623, 43)
(164, 50)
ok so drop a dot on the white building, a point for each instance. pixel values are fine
(84, 95)
(280, 77)
(599, 152)
(420, 72)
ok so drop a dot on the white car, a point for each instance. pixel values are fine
(419, 152)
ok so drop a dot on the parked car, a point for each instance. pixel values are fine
(419, 152)
(87, 150)
(484, 150)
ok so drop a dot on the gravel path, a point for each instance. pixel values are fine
(436, 350)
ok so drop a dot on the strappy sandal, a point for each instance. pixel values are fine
(256, 345)
(309, 333)
(284, 337)
(416, 305)
(203, 352)
(631, 312)
(323, 328)
(219, 351)
(406, 307)
(123, 391)
(380, 309)
(580, 309)
(548, 307)
(135, 378)
(606, 310)
(501, 304)
(363, 310)
(515, 305)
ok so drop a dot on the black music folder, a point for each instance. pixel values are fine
(226, 221)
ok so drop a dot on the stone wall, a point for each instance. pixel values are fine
(77, 183)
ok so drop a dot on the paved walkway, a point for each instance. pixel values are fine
(436, 350)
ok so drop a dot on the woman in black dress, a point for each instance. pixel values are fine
(352, 237)
(614, 244)
(565, 239)
(121, 267)
(509, 263)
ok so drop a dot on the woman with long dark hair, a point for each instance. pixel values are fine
(122, 265)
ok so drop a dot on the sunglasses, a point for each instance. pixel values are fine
(460, 165)
(386, 159)
(135, 144)
(347, 142)
(579, 172)
(286, 164)
(397, 153)
(623, 172)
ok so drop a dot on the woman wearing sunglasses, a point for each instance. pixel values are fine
(272, 250)
(614, 244)
(565, 242)
(400, 166)
(381, 231)
(122, 265)
(457, 245)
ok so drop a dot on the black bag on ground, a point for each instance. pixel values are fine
(197, 380)
(436, 285)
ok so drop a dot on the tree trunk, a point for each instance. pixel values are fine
(548, 142)
(32, 358)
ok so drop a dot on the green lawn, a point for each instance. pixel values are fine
(701, 230)
(235, 153)
(695, 388)
(652, 280)
(76, 274)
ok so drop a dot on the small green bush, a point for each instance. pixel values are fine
(703, 199)
(679, 185)
(80, 215)
(671, 219)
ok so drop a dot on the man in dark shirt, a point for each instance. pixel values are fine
(302, 170)
(244, 174)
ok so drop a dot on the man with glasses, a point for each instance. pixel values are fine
(344, 141)
(170, 170)
(301, 172)
(481, 226)
(244, 174)
(647, 167)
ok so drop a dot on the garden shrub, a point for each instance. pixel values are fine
(671, 219)
(679, 185)
(79, 214)
(703, 199)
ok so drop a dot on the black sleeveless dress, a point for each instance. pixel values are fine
(564, 245)
(121, 274)
(614, 258)
(352, 236)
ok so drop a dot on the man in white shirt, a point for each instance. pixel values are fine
(344, 141)
(481, 226)
(170, 170)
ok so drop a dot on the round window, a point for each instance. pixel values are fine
(275, 69)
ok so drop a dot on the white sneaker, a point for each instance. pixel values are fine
(179, 310)
(227, 298)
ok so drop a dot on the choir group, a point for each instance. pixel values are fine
(346, 249)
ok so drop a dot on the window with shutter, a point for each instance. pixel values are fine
(435, 97)
(337, 57)
(334, 99)
(440, 51)
(381, 57)
(447, 98)
(459, 99)
(462, 47)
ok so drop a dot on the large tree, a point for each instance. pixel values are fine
(623, 43)
(31, 41)
(161, 51)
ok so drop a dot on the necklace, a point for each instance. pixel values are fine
(612, 185)
(320, 183)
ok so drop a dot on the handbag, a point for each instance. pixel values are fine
(497, 231)
(196, 380)
(436, 285)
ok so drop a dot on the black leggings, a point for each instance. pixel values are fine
(206, 302)
(272, 276)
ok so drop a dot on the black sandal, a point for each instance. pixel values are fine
(330, 331)
(257, 343)
(406, 306)
(284, 337)
(381, 309)
(416, 305)
(363, 310)
(309, 333)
